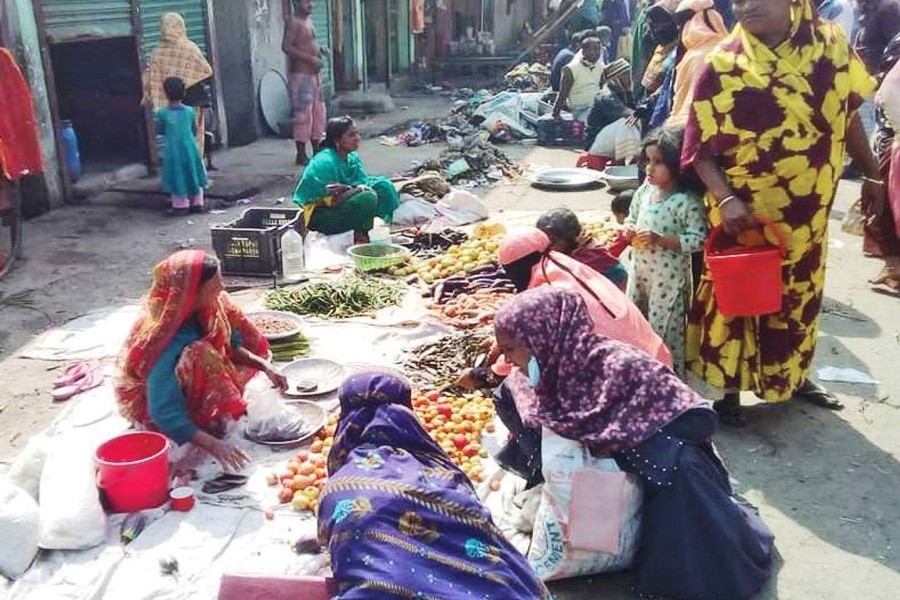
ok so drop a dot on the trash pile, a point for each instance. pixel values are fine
(475, 163)
(529, 78)
(418, 134)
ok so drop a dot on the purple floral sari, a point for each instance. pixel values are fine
(399, 519)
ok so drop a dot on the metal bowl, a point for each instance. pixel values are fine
(620, 178)
(274, 337)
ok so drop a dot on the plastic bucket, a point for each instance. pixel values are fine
(133, 471)
(746, 279)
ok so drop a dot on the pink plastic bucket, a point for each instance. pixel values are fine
(133, 471)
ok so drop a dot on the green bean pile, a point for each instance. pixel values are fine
(346, 297)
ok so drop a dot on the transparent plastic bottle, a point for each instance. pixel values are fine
(292, 255)
(380, 233)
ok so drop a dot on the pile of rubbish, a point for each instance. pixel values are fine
(418, 134)
(529, 78)
(472, 162)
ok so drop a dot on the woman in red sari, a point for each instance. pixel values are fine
(190, 355)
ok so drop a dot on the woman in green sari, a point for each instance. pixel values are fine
(335, 192)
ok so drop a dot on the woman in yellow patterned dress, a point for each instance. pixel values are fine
(774, 111)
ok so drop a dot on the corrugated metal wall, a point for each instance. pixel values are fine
(193, 12)
(68, 20)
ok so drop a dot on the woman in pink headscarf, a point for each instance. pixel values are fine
(703, 28)
(529, 262)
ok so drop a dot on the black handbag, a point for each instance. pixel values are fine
(199, 95)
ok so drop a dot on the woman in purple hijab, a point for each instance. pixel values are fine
(399, 519)
(699, 541)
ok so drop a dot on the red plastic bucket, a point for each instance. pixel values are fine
(746, 279)
(133, 471)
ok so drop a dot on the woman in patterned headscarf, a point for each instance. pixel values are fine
(773, 112)
(698, 540)
(398, 518)
(176, 56)
(189, 356)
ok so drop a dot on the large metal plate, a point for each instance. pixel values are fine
(566, 178)
(274, 100)
(296, 320)
(313, 413)
(326, 374)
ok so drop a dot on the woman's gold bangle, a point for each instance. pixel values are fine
(727, 199)
(874, 181)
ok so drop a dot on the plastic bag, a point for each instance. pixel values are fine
(551, 553)
(461, 207)
(72, 517)
(26, 470)
(322, 251)
(18, 529)
(414, 212)
(270, 419)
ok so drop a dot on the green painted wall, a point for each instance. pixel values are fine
(72, 19)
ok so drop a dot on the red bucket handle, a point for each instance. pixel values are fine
(766, 223)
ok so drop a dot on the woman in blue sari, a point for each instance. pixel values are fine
(399, 519)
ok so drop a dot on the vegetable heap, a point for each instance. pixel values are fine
(345, 297)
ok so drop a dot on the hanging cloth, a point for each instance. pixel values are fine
(20, 150)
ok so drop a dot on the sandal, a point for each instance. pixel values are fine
(815, 394)
(91, 377)
(730, 414)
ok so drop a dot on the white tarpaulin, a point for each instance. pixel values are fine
(227, 533)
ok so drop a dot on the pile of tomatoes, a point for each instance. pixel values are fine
(305, 474)
(456, 422)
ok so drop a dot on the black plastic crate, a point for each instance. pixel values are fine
(251, 244)
(561, 132)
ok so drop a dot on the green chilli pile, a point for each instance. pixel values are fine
(346, 297)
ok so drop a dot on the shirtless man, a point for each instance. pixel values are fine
(304, 65)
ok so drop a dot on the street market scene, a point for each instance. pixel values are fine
(339, 299)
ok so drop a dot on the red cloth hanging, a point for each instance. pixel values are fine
(20, 149)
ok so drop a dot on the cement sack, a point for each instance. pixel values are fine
(18, 529)
(553, 552)
(72, 517)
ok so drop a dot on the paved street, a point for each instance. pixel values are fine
(827, 483)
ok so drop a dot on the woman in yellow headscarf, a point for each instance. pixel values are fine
(176, 56)
(773, 113)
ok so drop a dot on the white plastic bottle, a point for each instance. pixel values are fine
(292, 255)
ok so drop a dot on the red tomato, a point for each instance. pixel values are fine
(433, 396)
(302, 455)
(460, 441)
(285, 495)
(445, 410)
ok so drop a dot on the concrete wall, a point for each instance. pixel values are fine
(508, 26)
(19, 30)
(234, 74)
(266, 22)
(248, 36)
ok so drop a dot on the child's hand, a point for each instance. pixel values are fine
(628, 233)
(646, 239)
